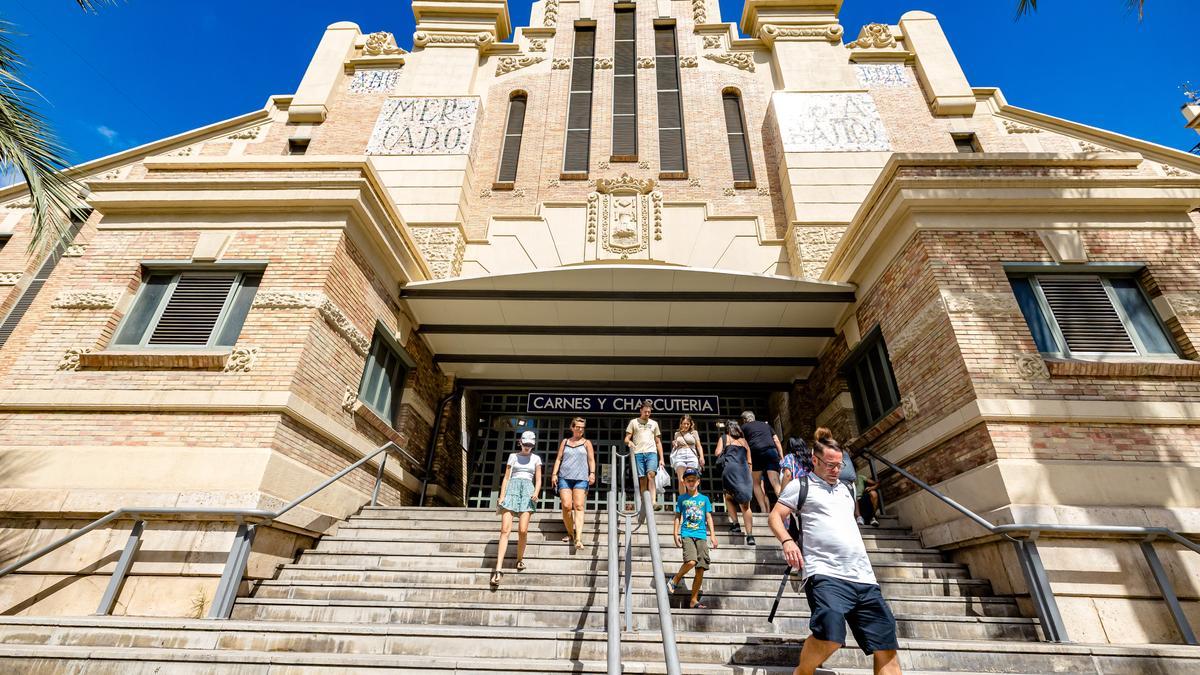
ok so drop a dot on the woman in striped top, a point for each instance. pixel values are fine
(574, 472)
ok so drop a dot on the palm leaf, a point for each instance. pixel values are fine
(27, 145)
(1028, 6)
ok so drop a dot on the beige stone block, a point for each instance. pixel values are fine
(168, 597)
(832, 176)
(831, 194)
(410, 196)
(1082, 620)
(64, 596)
(431, 213)
(1136, 621)
(941, 76)
(210, 246)
(828, 160)
(433, 178)
(418, 164)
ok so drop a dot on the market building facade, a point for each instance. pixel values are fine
(501, 228)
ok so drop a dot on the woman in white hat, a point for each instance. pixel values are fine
(519, 493)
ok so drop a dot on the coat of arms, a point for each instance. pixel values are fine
(624, 210)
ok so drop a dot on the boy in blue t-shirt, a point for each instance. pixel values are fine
(693, 523)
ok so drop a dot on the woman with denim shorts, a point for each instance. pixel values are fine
(574, 472)
(518, 495)
(686, 451)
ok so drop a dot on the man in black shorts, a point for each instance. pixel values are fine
(765, 453)
(838, 579)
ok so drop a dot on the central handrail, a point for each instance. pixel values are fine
(239, 553)
(1036, 579)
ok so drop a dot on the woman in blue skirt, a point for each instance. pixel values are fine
(519, 493)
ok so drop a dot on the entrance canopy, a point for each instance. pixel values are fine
(627, 323)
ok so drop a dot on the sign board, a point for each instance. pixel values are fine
(424, 126)
(622, 404)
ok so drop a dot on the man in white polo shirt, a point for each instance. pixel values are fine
(838, 580)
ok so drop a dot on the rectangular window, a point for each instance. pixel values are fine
(966, 142)
(868, 371)
(739, 146)
(510, 152)
(4, 240)
(624, 144)
(383, 379)
(1090, 315)
(671, 156)
(579, 102)
(202, 308)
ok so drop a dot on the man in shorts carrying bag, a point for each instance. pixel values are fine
(838, 579)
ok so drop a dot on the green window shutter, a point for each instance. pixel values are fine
(510, 153)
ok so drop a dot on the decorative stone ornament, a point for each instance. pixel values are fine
(70, 358)
(10, 278)
(349, 398)
(478, 40)
(560, 64)
(605, 63)
(700, 11)
(288, 299)
(980, 303)
(688, 62)
(712, 41)
(1016, 128)
(1032, 367)
(241, 360)
(537, 45)
(332, 314)
(623, 214)
(508, 64)
(874, 36)
(1174, 171)
(75, 251)
(341, 324)
(382, 43)
(247, 134)
(909, 405)
(739, 60)
(645, 62)
(831, 33)
(86, 300)
(551, 14)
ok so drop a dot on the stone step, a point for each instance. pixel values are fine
(643, 596)
(768, 551)
(60, 645)
(583, 563)
(367, 530)
(417, 514)
(789, 621)
(555, 526)
(429, 573)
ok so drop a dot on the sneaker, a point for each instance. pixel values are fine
(874, 522)
(735, 528)
(750, 540)
(859, 520)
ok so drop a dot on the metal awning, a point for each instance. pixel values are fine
(628, 323)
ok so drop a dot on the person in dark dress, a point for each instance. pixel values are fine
(765, 452)
(733, 456)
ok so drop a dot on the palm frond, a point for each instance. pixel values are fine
(1025, 7)
(1029, 6)
(92, 5)
(27, 145)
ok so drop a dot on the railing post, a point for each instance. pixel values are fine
(1168, 591)
(1039, 590)
(629, 526)
(665, 625)
(121, 571)
(613, 614)
(231, 578)
(378, 480)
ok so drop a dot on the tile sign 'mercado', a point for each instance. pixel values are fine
(621, 404)
(424, 126)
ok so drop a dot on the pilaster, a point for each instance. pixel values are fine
(310, 104)
(946, 87)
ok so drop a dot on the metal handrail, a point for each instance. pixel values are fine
(248, 521)
(1053, 627)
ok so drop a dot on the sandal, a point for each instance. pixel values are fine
(520, 565)
(495, 581)
(698, 605)
(566, 539)
(579, 544)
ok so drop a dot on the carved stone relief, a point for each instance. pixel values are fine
(248, 134)
(624, 214)
(550, 15)
(560, 64)
(349, 398)
(10, 278)
(537, 45)
(382, 43)
(75, 251)
(739, 60)
(1031, 367)
(874, 36)
(241, 360)
(712, 41)
(70, 358)
(87, 300)
(700, 11)
(507, 64)
(909, 405)
(342, 325)
(980, 303)
(443, 248)
(645, 62)
(830, 123)
(479, 40)
(1017, 128)
(918, 327)
(288, 299)
(424, 126)
(604, 63)
(831, 33)
(1174, 171)
(332, 314)
(688, 62)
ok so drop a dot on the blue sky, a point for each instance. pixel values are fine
(146, 69)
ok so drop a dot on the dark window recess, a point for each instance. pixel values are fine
(739, 146)
(671, 154)
(39, 279)
(579, 102)
(383, 380)
(966, 143)
(624, 143)
(189, 309)
(510, 153)
(872, 384)
(1071, 314)
(4, 240)
(297, 146)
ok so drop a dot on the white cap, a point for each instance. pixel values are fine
(528, 438)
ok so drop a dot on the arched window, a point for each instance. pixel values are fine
(510, 151)
(735, 130)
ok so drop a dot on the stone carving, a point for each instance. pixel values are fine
(712, 41)
(980, 303)
(831, 33)
(342, 325)
(920, 326)
(874, 36)
(508, 64)
(479, 40)
(185, 151)
(485, 193)
(909, 405)
(518, 193)
(830, 123)
(374, 80)
(247, 134)
(1086, 146)
(70, 358)
(693, 182)
(729, 192)
(537, 45)
(424, 126)
(560, 64)
(382, 43)
(111, 174)
(764, 191)
(620, 213)
(1016, 128)
(288, 299)
(645, 62)
(21, 204)
(603, 166)
(86, 300)
(550, 14)
(811, 247)
(349, 398)
(241, 360)
(443, 249)
(1032, 367)
(1174, 171)
(75, 251)
(882, 75)
(553, 182)
(700, 11)
(688, 62)
(605, 63)
(10, 278)
(643, 164)
(591, 182)
(739, 60)
(1184, 304)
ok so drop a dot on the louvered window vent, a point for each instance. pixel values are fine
(189, 309)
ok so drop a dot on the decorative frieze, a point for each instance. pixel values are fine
(764, 192)
(830, 123)
(694, 182)
(688, 62)
(712, 41)
(518, 193)
(70, 358)
(645, 62)
(507, 64)
(831, 33)
(882, 75)
(1031, 367)
(1087, 146)
(75, 250)
(478, 40)
(560, 64)
(553, 182)
(1184, 303)
(485, 193)
(288, 299)
(186, 151)
(537, 45)
(700, 11)
(87, 300)
(874, 36)
(603, 165)
(980, 303)
(374, 80)
(593, 215)
(604, 63)
(739, 60)
(10, 278)
(342, 325)
(1174, 171)
(241, 360)
(643, 164)
(550, 14)
(1016, 128)
(382, 43)
(424, 126)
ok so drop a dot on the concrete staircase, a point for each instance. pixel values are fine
(406, 590)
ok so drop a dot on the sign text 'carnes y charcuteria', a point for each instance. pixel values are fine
(622, 404)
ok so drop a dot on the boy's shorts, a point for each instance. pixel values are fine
(696, 550)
